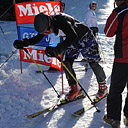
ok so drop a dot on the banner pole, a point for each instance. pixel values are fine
(62, 73)
(62, 79)
(20, 63)
(41, 71)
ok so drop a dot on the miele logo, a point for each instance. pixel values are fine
(40, 57)
(33, 9)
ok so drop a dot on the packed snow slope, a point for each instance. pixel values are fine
(22, 94)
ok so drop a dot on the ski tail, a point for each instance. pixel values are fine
(88, 107)
(82, 110)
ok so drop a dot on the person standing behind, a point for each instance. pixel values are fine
(117, 24)
(90, 17)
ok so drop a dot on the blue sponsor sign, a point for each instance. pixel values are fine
(48, 40)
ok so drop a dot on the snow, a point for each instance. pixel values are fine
(29, 92)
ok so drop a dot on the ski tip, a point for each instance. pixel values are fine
(98, 110)
(29, 116)
(76, 115)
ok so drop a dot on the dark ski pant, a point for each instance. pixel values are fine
(119, 79)
(97, 69)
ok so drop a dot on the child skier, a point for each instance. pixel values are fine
(79, 38)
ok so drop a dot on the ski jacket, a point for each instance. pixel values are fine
(73, 29)
(117, 24)
(90, 18)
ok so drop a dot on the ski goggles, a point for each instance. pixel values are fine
(93, 4)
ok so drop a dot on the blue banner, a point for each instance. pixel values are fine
(48, 40)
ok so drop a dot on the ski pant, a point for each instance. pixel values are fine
(97, 69)
(119, 79)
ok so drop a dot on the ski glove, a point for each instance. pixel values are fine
(19, 44)
(95, 30)
(55, 51)
(51, 52)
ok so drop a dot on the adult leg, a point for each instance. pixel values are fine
(114, 99)
(126, 105)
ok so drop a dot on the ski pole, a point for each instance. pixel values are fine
(100, 47)
(78, 83)
(41, 71)
(13, 52)
(5, 38)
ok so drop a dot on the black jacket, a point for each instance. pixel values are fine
(72, 28)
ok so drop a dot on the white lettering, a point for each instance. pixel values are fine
(32, 34)
(24, 10)
(33, 54)
(35, 9)
(47, 39)
(25, 35)
(41, 56)
(54, 61)
(32, 9)
(28, 35)
(50, 8)
(47, 59)
(44, 9)
(52, 38)
(26, 55)
(57, 8)
(58, 63)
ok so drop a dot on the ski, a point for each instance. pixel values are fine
(40, 112)
(88, 107)
(50, 71)
(62, 102)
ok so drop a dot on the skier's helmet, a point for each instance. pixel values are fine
(93, 3)
(41, 22)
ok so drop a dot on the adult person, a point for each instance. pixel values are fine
(117, 25)
(90, 18)
(78, 38)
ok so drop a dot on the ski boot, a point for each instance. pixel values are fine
(73, 93)
(125, 121)
(102, 92)
(111, 122)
